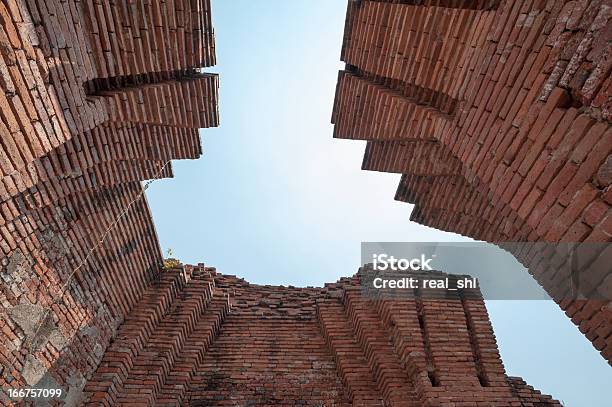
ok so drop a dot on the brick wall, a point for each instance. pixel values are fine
(497, 115)
(99, 96)
(96, 97)
(201, 338)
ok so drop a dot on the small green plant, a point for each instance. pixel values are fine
(170, 262)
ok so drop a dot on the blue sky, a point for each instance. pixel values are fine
(276, 200)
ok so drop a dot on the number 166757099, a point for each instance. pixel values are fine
(34, 393)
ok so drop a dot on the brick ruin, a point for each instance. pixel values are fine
(96, 96)
(99, 96)
(497, 114)
(199, 338)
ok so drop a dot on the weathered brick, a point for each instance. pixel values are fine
(204, 337)
(531, 123)
(70, 175)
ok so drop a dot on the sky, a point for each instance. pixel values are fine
(276, 199)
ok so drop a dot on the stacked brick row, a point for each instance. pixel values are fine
(497, 115)
(141, 37)
(528, 395)
(157, 349)
(96, 97)
(199, 338)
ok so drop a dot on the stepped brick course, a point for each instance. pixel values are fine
(200, 338)
(497, 114)
(96, 97)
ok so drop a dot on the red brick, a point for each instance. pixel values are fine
(68, 172)
(595, 212)
(525, 139)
